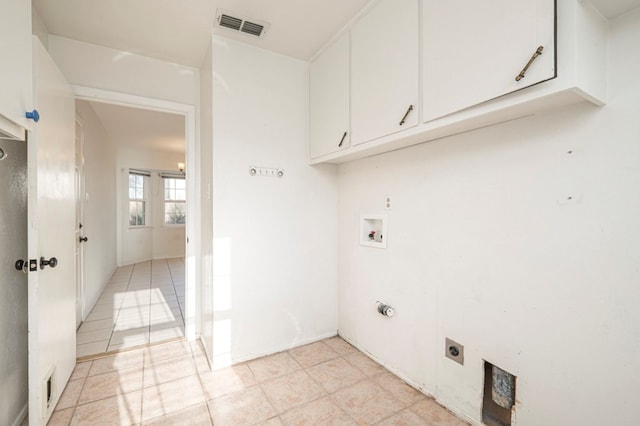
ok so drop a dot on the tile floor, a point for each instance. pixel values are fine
(141, 304)
(327, 382)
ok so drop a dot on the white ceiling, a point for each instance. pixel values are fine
(613, 8)
(141, 129)
(180, 31)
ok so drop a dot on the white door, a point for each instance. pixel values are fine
(80, 224)
(385, 70)
(51, 205)
(474, 51)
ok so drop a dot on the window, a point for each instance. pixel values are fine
(175, 194)
(137, 200)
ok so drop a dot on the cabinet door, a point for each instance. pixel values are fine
(16, 84)
(329, 100)
(385, 70)
(474, 50)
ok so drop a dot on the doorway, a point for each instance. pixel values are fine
(170, 265)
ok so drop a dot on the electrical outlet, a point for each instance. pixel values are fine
(454, 351)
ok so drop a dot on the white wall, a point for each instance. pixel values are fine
(483, 248)
(99, 205)
(39, 29)
(100, 67)
(154, 241)
(274, 239)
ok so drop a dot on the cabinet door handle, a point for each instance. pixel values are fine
(537, 53)
(342, 140)
(404, 117)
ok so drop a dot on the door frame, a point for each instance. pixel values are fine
(80, 212)
(193, 222)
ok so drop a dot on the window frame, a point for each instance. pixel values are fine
(145, 176)
(165, 200)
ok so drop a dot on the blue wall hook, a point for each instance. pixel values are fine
(33, 115)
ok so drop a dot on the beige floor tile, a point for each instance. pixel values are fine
(292, 390)
(404, 418)
(313, 354)
(156, 336)
(91, 348)
(96, 325)
(93, 336)
(365, 364)
(192, 416)
(61, 418)
(104, 307)
(340, 346)
(131, 325)
(320, 412)
(170, 397)
(226, 381)
(110, 384)
(168, 370)
(157, 353)
(100, 316)
(127, 347)
(273, 366)
(118, 410)
(247, 407)
(136, 312)
(112, 298)
(335, 374)
(403, 392)
(81, 370)
(123, 361)
(162, 317)
(435, 414)
(202, 364)
(367, 402)
(274, 421)
(69, 397)
(129, 339)
(158, 325)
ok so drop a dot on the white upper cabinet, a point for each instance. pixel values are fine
(474, 51)
(329, 100)
(480, 63)
(385, 70)
(16, 82)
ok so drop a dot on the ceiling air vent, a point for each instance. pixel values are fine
(230, 22)
(235, 22)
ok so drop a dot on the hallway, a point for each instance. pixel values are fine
(141, 304)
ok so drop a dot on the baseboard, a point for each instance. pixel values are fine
(218, 362)
(21, 415)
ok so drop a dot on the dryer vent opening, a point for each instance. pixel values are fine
(499, 396)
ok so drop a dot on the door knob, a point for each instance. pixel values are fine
(20, 265)
(83, 239)
(53, 262)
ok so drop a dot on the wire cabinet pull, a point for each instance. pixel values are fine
(404, 117)
(537, 53)
(342, 140)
